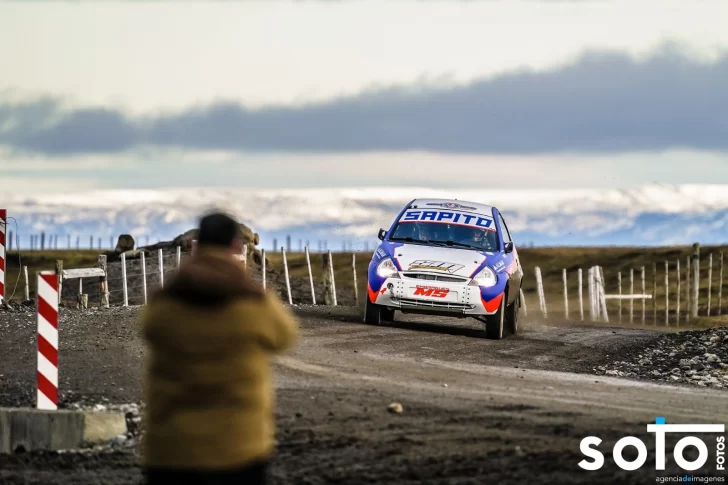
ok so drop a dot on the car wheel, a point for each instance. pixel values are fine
(512, 316)
(387, 314)
(495, 323)
(372, 313)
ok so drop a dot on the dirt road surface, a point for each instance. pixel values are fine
(473, 410)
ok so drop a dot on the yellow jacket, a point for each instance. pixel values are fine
(207, 383)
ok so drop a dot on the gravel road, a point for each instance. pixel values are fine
(472, 410)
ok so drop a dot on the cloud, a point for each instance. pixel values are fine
(602, 103)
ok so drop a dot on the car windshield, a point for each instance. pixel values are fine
(445, 234)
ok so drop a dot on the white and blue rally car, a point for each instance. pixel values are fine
(447, 257)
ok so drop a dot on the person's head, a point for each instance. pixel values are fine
(220, 230)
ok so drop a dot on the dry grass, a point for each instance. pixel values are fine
(551, 261)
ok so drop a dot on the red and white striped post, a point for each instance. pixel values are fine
(47, 305)
(3, 230)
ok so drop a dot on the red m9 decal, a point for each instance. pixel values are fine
(435, 293)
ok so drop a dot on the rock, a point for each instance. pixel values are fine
(712, 358)
(675, 378)
(675, 371)
(715, 338)
(656, 373)
(395, 408)
(124, 243)
(697, 366)
(612, 372)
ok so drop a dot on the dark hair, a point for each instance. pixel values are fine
(218, 229)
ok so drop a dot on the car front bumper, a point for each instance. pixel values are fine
(434, 297)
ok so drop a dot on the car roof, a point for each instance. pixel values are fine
(471, 206)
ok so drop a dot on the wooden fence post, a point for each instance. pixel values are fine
(123, 279)
(654, 293)
(160, 255)
(688, 287)
(263, 269)
(541, 296)
(581, 295)
(710, 280)
(59, 272)
(590, 285)
(602, 294)
(667, 295)
(695, 283)
(333, 280)
(679, 278)
(285, 272)
(310, 276)
(245, 256)
(631, 292)
(27, 285)
(353, 268)
(619, 285)
(566, 294)
(144, 276)
(644, 292)
(720, 285)
(80, 292)
(104, 282)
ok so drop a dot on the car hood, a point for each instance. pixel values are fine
(439, 260)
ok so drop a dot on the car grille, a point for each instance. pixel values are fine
(435, 277)
(410, 302)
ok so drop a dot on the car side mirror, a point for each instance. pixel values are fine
(509, 247)
(381, 234)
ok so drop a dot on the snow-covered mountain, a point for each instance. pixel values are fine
(649, 215)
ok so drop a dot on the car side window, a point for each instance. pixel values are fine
(506, 232)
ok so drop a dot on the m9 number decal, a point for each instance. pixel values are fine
(432, 292)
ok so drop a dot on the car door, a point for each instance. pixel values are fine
(514, 264)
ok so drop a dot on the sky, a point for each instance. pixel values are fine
(274, 94)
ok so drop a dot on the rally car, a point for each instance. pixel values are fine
(447, 257)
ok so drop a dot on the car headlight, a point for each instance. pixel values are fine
(486, 277)
(387, 269)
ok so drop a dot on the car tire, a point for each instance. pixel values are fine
(372, 313)
(494, 324)
(512, 316)
(387, 314)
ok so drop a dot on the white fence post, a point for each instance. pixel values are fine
(541, 296)
(285, 271)
(179, 256)
(245, 256)
(331, 274)
(160, 254)
(566, 294)
(581, 296)
(144, 275)
(123, 279)
(47, 338)
(310, 277)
